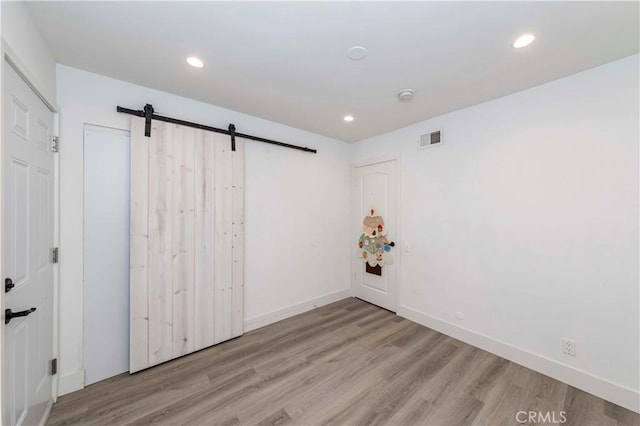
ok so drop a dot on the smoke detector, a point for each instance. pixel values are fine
(357, 53)
(406, 95)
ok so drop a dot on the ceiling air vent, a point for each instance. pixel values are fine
(430, 139)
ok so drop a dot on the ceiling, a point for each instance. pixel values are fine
(286, 61)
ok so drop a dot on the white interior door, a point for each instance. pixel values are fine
(187, 204)
(106, 253)
(28, 205)
(376, 188)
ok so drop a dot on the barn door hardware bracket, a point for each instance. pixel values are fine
(232, 133)
(148, 114)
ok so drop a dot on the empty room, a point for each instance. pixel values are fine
(420, 213)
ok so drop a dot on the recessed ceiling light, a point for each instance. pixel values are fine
(357, 53)
(348, 118)
(524, 40)
(195, 62)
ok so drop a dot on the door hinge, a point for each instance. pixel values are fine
(55, 144)
(54, 255)
(54, 366)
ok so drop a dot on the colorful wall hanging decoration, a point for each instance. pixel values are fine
(373, 246)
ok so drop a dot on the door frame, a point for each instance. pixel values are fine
(356, 221)
(10, 59)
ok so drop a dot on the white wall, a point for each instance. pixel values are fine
(23, 38)
(296, 206)
(526, 221)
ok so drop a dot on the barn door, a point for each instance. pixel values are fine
(186, 241)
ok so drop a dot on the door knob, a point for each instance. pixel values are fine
(9, 314)
(8, 285)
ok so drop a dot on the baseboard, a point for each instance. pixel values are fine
(625, 397)
(291, 310)
(71, 382)
(47, 413)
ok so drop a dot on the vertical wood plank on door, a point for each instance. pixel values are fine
(139, 243)
(160, 242)
(237, 315)
(187, 241)
(223, 239)
(204, 241)
(183, 239)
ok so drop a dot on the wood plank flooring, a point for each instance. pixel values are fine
(348, 363)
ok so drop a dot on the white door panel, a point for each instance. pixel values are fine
(28, 172)
(376, 188)
(17, 206)
(16, 340)
(106, 253)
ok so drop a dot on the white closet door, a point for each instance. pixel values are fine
(187, 289)
(106, 252)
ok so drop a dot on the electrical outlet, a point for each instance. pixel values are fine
(569, 346)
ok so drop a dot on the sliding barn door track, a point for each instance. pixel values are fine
(148, 114)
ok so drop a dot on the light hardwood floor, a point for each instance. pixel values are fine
(345, 363)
